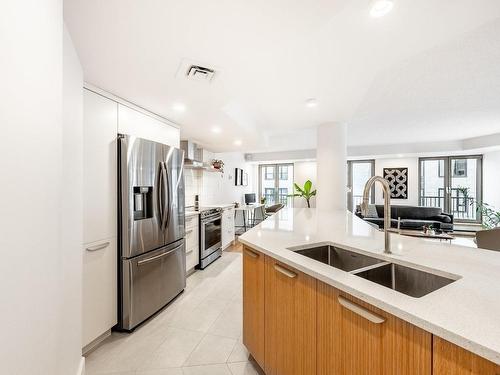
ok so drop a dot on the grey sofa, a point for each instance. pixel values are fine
(412, 217)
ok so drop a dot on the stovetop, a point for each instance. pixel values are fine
(206, 211)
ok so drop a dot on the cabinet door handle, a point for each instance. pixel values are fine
(285, 271)
(251, 253)
(361, 311)
(98, 247)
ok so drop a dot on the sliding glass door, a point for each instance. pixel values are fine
(276, 182)
(358, 172)
(452, 183)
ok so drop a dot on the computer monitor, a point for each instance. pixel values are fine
(250, 198)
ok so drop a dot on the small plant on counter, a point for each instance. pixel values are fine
(263, 200)
(305, 192)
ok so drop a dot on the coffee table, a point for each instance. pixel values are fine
(421, 234)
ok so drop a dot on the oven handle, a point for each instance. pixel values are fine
(204, 221)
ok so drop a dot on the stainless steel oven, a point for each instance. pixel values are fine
(210, 235)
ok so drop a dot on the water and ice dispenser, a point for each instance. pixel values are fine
(143, 202)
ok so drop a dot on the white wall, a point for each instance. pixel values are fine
(72, 210)
(33, 198)
(491, 179)
(303, 171)
(217, 188)
(228, 191)
(412, 165)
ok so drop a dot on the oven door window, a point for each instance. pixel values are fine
(213, 231)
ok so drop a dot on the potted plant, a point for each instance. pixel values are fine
(218, 164)
(491, 217)
(263, 200)
(305, 192)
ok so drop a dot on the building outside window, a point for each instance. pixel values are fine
(269, 173)
(275, 183)
(283, 172)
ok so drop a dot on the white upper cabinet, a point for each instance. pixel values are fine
(135, 123)
(100, 119)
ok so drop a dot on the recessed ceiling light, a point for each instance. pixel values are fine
(311, 103)
(179, 107)
(381, 7)
(238, 142)
(216, 130)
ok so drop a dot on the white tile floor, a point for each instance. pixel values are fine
(198, 334)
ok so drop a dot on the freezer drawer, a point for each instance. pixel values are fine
(150, 281)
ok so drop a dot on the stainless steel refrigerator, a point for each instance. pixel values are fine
(152, 258)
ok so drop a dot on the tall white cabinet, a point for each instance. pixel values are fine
(99, 284)
(105, 117)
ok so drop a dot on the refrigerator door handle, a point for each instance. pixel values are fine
(163, 184)
(168, 206)
(156, 257)
(160, 193)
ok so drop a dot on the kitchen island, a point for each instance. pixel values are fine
(294, 323)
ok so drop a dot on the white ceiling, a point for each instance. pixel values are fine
(428, 71)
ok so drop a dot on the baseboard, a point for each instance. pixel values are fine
(87, 349)
(81, 368)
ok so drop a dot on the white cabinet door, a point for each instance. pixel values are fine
(100, 119)
(227, 227)
(99, 289)
(192, 242)
(135, 123)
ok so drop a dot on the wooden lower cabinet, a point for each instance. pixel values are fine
(253, 303)
(356, 338)
(290, 321)
(294, 324)
(449, 359)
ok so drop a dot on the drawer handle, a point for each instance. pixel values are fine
(98, 247)
(189, 251)
(361, 311)
(152, 259)
(189, 231)
(285, 271)
(251, 253)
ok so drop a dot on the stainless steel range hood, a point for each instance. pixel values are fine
(193, 155)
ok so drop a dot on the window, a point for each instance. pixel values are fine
(452, 183)
(358, 173)
(283, 172)
(269, 173)
(460, 168)
(276, 182)
(441, 168)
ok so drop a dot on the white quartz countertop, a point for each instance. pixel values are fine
(465, 312)
(222, 205)
(191, 213)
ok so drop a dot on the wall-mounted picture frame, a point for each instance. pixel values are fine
(398, 182)
(245, 179)
(237, 177)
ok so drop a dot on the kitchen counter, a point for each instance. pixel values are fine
(226, 205)
(191, 213)
(465, 312)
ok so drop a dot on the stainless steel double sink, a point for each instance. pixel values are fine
(403, 279)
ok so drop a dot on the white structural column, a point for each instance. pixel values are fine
(332, 163)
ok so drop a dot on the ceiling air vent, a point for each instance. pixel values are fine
(200, 73)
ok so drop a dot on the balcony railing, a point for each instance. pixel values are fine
(462, 208)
